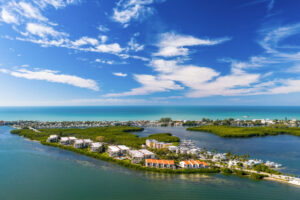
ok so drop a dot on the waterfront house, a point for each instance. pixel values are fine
(147, 154)
(113, 151)
(72, 139)
(123, 149)
(67, 140)
(82, 143)
(96, 147)
(78, 144)
(136, 156)
(253, 162)
(52, 138)
(64, 141)
(192, 164)
(160, 163)
(87, 143)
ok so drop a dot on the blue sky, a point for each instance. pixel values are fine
(149, 52)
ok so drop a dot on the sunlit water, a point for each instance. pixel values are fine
(123, 113)
(31, 171)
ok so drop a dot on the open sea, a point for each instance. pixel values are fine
(123, 113)
(31, 171)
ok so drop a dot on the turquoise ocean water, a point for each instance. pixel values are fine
(123, 113)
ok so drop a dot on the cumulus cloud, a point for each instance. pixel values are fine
(172, 44)
(53, 76)
(128, 10)
(120, 74)
(8, 17)
(84, 41)
(42, 30)
(150, 84)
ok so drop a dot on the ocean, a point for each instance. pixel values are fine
(124, 113)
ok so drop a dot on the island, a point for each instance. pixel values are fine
(244, 132)
(162, 152)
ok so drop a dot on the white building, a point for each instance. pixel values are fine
(147, 154)
(253, 162)
(151, 143)
(136, 156)
(96, 147)
(192, 164)
(72, 139)
(82, 143)
(67, 140)
(78, 144)
(123, 149)
(52, 138)
(173, 148)
(87, 143)
(113, 151)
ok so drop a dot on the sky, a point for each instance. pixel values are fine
(149, 52)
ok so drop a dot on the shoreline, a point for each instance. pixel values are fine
(214, 167)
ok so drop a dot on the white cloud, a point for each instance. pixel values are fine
(172, 44)
(29, 11)
(8, 17)
(134, 46)
(110, 62)
(103, 28)
(103, 38)
(120, 74)
(150, 84)
(109, 48)
(42, 30)
(128, 10)
(288, 86)
(53, 76)
(84, 41)
(55, 3)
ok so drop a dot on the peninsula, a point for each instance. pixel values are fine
(161, 152)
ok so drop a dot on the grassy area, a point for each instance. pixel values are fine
(229, 131)
(111, 135)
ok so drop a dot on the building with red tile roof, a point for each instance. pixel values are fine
(160, 163)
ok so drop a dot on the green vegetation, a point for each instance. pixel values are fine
(229, 131)
(240, 173)
(165, 119)
(164, 137)
(226, 171)
(111, 135)
(190, 123)
(257, 177)
(263, 168)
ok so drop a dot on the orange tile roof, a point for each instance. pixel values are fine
(193, 162)
(198, 162)
(170, 162)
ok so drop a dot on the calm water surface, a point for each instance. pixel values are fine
(31, 171)
(123, 113)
